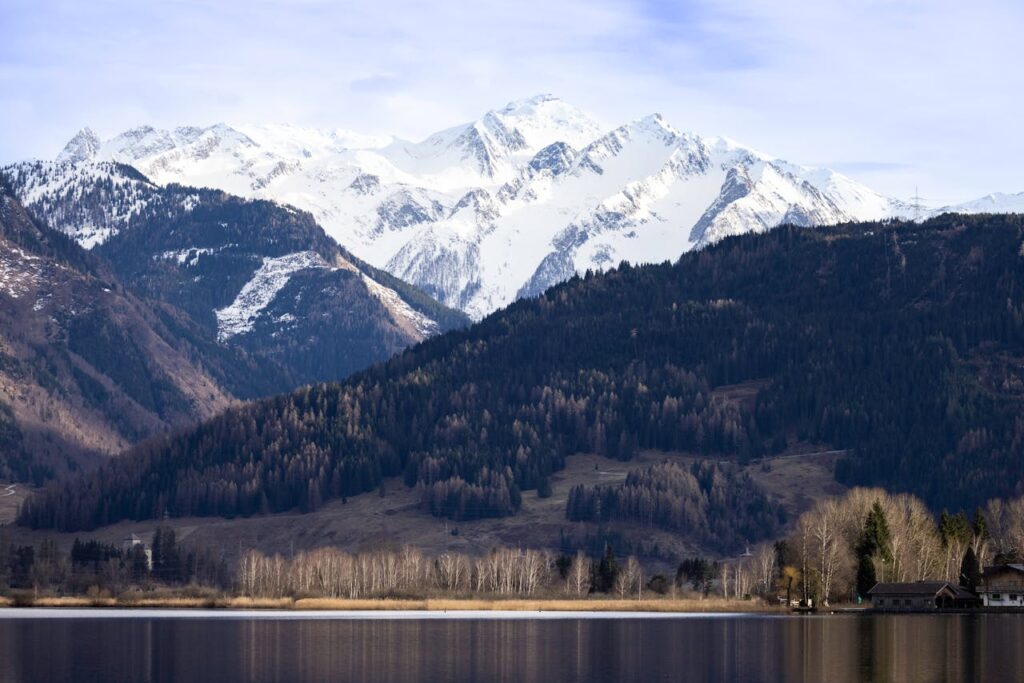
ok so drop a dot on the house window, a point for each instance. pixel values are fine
(907, 602)
(881, 601)
(1013, 596)
(997, 596)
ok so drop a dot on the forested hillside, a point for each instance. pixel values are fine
(903, 343)
(86, 367)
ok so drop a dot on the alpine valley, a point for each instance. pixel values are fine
(153, 281)
(678, 408)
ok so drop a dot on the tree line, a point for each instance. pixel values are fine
(94, 566)
(837, 551)
(408, 572)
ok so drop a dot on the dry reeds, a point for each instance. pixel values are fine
(664, 605)
(538, 605)
(73, 601)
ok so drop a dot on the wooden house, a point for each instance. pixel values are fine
(1002, 586)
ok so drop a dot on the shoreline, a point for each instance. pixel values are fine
(427, 605)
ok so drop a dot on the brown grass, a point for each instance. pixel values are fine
(260, 603)
(173, 603)
(539, 605)
(73, 601)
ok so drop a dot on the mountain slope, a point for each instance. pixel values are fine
(506, 205)
(87, 368)
(900, 345)
(998, 202)
(255, 275)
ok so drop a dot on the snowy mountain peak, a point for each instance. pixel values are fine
(656, 125)
(146, 142)
(997, 202)
(528, 103)
(494, 147)
(296, 142)
(83, 147)
(515, 200)
(545, 119)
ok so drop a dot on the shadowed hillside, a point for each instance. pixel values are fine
(901, 343)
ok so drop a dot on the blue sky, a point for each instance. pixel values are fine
(897, 94)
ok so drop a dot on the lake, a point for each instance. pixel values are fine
(118, 645)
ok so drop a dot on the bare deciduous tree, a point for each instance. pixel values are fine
(578, 577)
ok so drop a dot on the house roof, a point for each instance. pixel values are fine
(914, 588)
(962, 593)
(997, 568)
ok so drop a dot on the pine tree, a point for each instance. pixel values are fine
(607, 571)
(866, 579)
(873, 542)
(166, 563)
(876, 534)
(970, 571)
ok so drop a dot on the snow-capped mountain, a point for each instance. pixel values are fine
(506, 205)
(257, 275)
(997, 202)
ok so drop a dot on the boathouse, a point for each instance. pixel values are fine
(1002, 586)
(921, 596)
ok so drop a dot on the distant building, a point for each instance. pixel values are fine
(921, 596)
(131, 542)
(1002, 586)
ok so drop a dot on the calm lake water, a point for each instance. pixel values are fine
(189, 646)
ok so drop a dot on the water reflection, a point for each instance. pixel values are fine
(909, 648)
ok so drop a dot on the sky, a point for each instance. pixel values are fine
(899, 94)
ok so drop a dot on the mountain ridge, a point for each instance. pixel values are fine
(512, 202)
(254, 273)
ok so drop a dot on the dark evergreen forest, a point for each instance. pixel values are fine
(902, 343)
(715, 505)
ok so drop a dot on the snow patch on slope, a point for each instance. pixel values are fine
(19, 273)
(189, 258)
(259, 291)
(401, 312)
